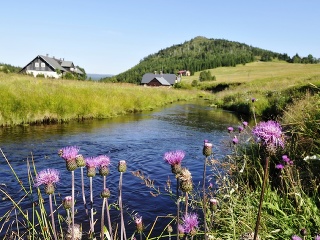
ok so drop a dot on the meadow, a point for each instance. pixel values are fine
(266, 188)
(27, 100)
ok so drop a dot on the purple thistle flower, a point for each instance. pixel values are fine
(240, 129)
(69, 153)
(47, 176)
(286, 159)
(253, 99)
(245, 124)
(279, 166)
(269, 133)
(295, 237)
(92, 162)
(235, 140)
(103, 161)
(317, 237)
(190, 222)
(174, 157)
(230, 129)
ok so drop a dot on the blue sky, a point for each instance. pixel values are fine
(110, 37)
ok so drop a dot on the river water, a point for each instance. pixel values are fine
(141, 139)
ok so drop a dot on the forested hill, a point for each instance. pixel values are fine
(195, 55)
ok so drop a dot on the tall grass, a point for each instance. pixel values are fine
(25, 99)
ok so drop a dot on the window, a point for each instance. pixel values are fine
(36, 64)
(43, 64)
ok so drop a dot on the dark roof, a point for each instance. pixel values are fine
(169, 77)
(162, 81)
(67, 64)
(53, 63)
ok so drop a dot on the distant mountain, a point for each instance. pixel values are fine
(95, 76)
(198, 54)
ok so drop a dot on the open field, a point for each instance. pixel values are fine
(27, 99)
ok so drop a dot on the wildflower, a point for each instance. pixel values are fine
(295, 237)
(190, 223)
(269, 134)
(122, 166)
(213, 204)
(235, 140)
(103, 164)
(253, 99)
(285, 159)
(67, 202)
(139, 225)
(91, 164)
(174, 158)
(47, 177)
(69, 154)
(245, 124)
(240, 129)
(279, 166)
(317, 237)
(230, 129)
(207, 148)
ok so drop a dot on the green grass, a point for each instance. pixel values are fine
(27, 100)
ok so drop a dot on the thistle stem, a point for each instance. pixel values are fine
(83, 194)
(186, 199)
(109, 220)
(123, 231)
(52, 218)
(178, 209)
(72, 196)
(102, 218)
(265, 177)
(91, 210)
(204, 198)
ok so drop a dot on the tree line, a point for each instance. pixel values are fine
(200, 54)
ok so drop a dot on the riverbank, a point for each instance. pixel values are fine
(29, 100)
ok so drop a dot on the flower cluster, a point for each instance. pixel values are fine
(269, 134)
(285, 161)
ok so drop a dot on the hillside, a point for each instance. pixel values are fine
(196, 55)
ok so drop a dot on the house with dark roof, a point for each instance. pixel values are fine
(154, 79)
(49, 67)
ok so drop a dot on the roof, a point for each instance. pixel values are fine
(53, 62)
(67, 64)
(77, 70)
(170, 78)
(162, 81)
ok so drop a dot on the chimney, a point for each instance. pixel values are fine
(47, 55)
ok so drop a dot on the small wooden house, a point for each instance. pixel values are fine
(49, 67)
(153, 79)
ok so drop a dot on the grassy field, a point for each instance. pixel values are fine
(27, 100)
(272, 84)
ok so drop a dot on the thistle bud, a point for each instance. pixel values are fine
(186, 186)
(91, 171)
(105, 193)
(67, 202)
(213, 204)
(80, 161)
(169, 229)
(122, 166)
(104, 170)
(139, 224)
(207, 148)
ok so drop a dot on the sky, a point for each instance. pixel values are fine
(110, 37)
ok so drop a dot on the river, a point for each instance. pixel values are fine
(141, 139)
